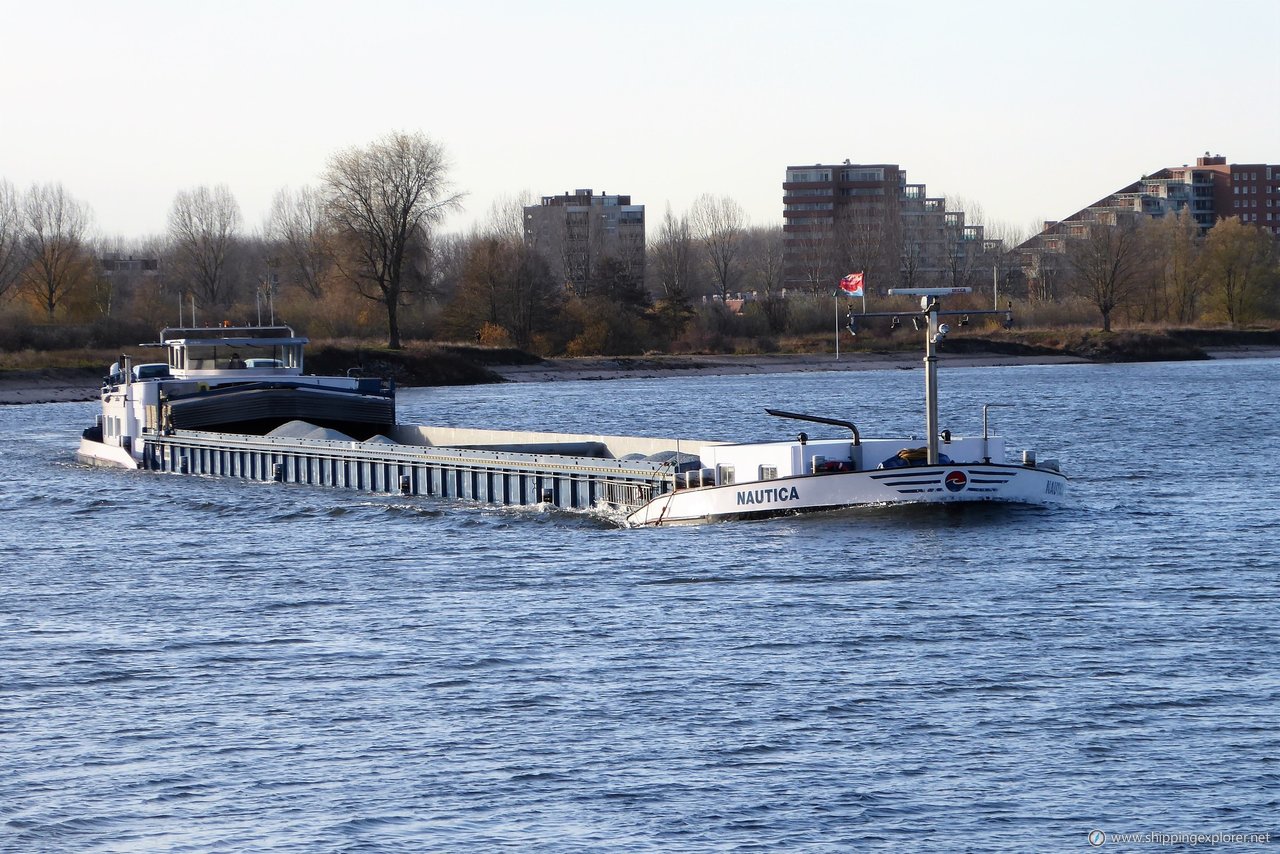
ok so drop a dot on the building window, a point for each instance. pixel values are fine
(862, 175)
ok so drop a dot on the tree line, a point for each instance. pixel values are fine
(1165, 271)
(362, 252)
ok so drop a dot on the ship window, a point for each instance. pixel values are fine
(768, 472)
(725, 476)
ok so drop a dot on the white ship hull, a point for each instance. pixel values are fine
(812, 493)
(93, 453)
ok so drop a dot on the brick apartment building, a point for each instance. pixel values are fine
(840, 218)
(1250, 191)
(1212, 190)
(577, 232)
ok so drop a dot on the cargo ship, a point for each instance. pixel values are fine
(235, 402)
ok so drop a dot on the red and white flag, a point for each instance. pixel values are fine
(852, 284)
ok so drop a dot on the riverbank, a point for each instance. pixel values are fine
(729, 365)
(61, 385)
(52, 385)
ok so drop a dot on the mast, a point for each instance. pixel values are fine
(933, 333)
(930, 307)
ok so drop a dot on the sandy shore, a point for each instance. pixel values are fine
(68, 385)
(50, 386)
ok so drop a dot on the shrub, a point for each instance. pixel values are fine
(493, 335)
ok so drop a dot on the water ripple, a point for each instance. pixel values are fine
(191, 664)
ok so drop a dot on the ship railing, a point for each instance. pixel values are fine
(627, 495)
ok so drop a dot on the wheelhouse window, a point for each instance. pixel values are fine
(216, 356)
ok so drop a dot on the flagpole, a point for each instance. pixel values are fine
(852, 285)
(837, 324)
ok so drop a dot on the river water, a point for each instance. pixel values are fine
(191, 664)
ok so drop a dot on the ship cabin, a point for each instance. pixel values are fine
(225, 351)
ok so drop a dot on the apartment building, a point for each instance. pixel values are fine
(117, 264)
(839, 218)
(1215, 190)
(1212, 190)
(579, 232)
(1250, 191)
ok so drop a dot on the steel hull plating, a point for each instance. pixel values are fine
(814, 493)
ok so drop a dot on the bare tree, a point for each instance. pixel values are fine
(762, 256)
(1045, 270)
(672, 253)
(203, 225)
(107, 287)
(533, 299)
(974, 214)
(506, 216)
(673, 266)
(139, 280)
(56, 260)
(964, 246)
(503, 283)
(10, 237)
(298, 226)
(1109, 262)
(448, 259)
(867, 241)
(817, 258)
(1002, 238)
(718, 224)
(383, 199)
(913, 260)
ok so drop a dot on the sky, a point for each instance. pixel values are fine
(1029, 110)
